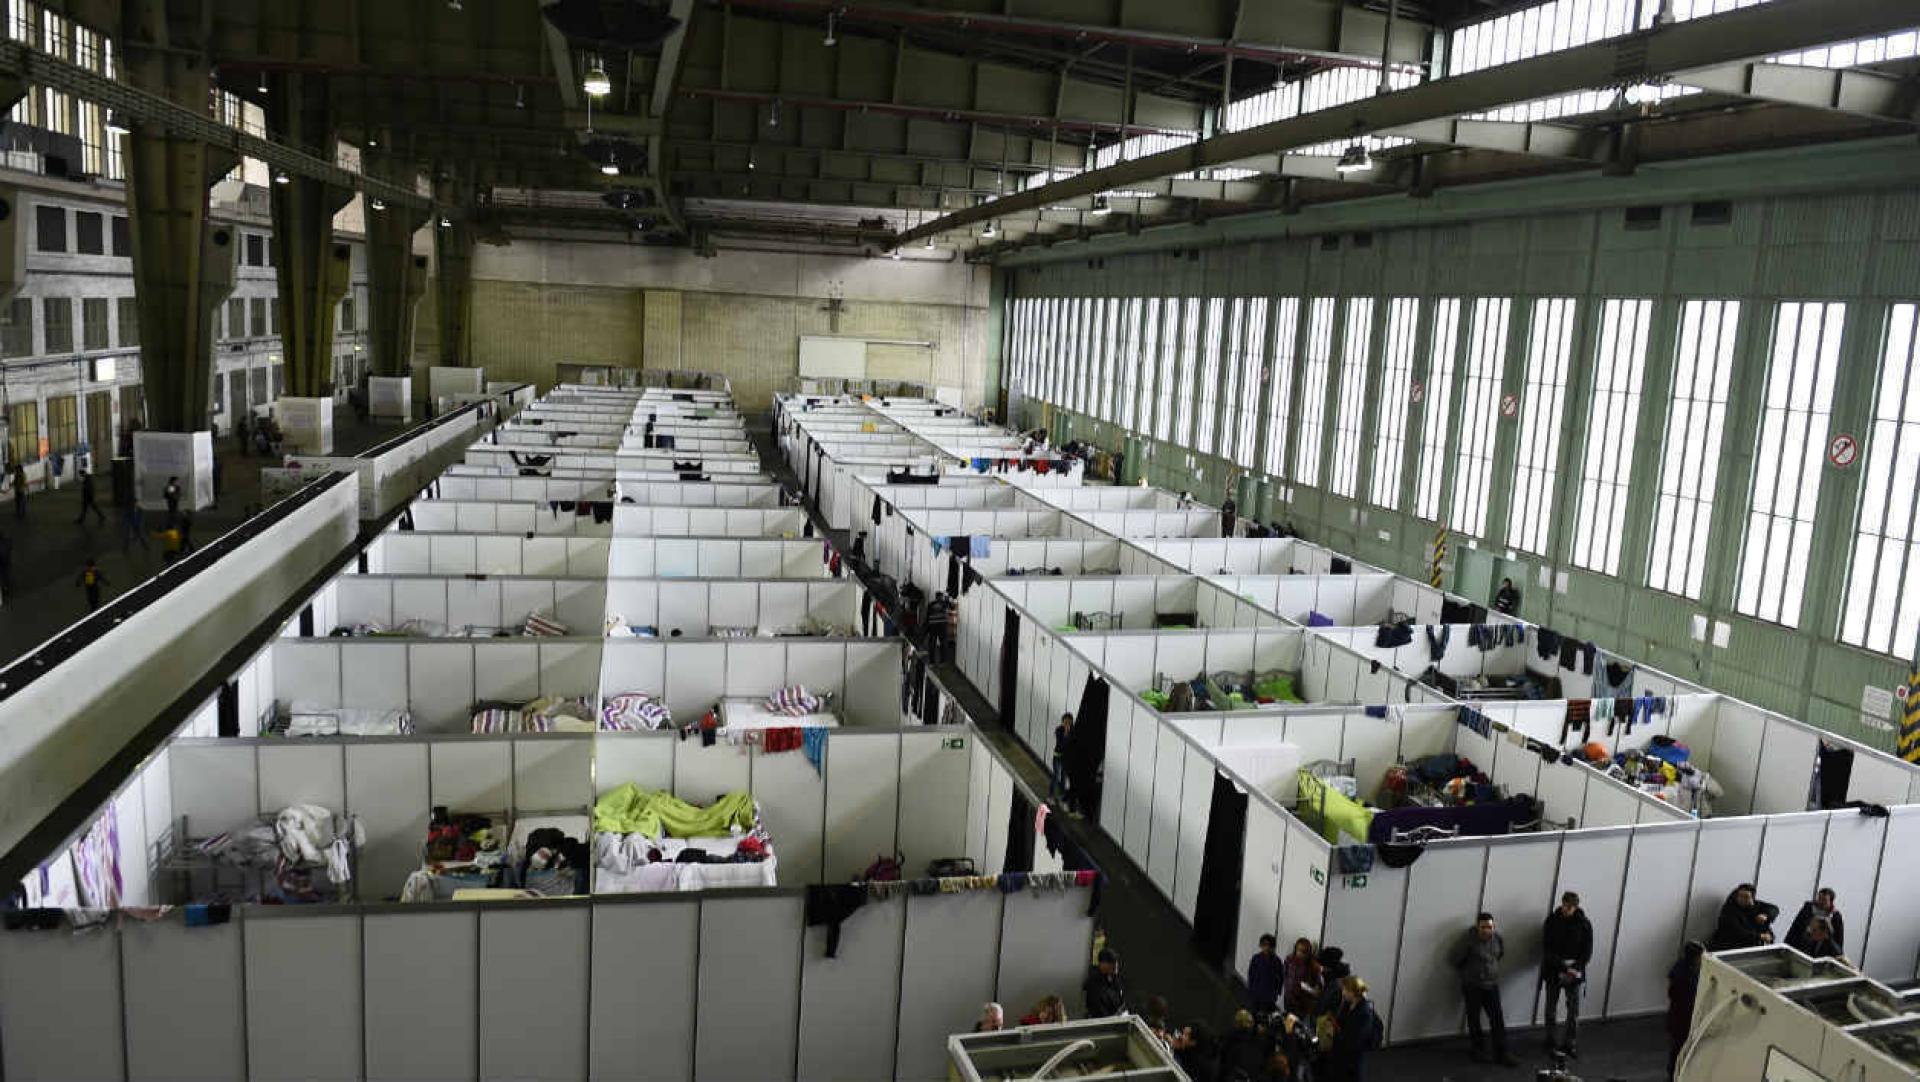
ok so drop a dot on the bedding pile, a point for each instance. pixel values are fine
(634, 711)
(551, 714)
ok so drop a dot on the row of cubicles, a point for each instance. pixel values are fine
(1128, 588)
(429, 621)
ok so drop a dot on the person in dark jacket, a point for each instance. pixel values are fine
(1333, 970)
(1106, 996)
(1057, 775)
(1476, 958)
(89, 500)
(1507, 599)
(1243, 1051)
(1264, 971)
(1822, 907)
(1745, 921)
(1683, 984)
(1196, 1052)
(1229, 514)
(1566, 946)
(1818, 942)
(1356, 1032)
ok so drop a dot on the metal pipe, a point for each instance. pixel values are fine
(1013, 24)
(973, 116)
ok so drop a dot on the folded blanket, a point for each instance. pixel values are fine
(634, 711)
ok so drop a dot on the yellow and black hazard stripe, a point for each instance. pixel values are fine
(1437, 572)
(1910, 720)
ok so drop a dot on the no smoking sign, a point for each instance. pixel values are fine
(1842, 451)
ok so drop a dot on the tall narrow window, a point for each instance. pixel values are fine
(1313, 390)
(1149, 363)
(1110, 362)
(1350, 412)
(1396, 384)
(1438, 392)
(1127, 364)
(1209, 390)
(1253, 342)
(1690, 453)
(1536, 466)
(1788, 460)
(1189, 342)
(1046, 347)
(1286, 323)
(1883, 586)
(1613, 420)
(1168, 352)
(1479, 413)
(1232, 348)
(1070, 360)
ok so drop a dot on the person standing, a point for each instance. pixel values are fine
(1302, 982)
(133, 526)
(1265, 977)
(91, 579)
(1822, 907)
(242, 433)
(1229, 514)
(1507, 599)
(186, 532)
(89, 500)
(1105, 994)
(1057, 764)
(1683, 985)
(1476, 958)
(939, 616)
(1356, 1032)
(19, 492)
(171, 494)
(1566, 946)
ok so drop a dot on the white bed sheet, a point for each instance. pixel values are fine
(741, 714)
(307, 719)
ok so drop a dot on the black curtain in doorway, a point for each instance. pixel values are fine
(1009, 666)
(1217, 909)
(1087, 748)
(1020, 834)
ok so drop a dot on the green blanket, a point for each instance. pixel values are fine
(656, 813)
(1332, 811)
(1279, 689)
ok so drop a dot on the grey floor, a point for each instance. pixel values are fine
(49, 547)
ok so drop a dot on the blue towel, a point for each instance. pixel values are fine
(814, 744)
(982, 545)
(1315, 619)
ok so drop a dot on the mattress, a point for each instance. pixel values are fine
(621, 865)
(307, 719)
(745, 713)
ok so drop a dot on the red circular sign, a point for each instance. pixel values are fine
(1843, 450)
(1509, 405)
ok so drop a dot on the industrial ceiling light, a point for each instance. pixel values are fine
(895, 254)
(520, 96)
(446, 222)
(1100, 205)
(115, 125)
(280, 177)
(377, 203)
(262, 88)
(610, 168)
(830, 41)
(1354, 159)
(988, 231)
(454, 5)
(929, 244)
(596, 84)
(773, 114)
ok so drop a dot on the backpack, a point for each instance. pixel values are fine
(884, 869)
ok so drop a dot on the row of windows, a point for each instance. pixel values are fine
(57, 327)
(90, 234)
(1219, 353)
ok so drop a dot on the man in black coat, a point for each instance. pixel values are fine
(1822, 907)
(1106, 996)
(1566, 946)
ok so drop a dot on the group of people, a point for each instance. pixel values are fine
(1312, 1013)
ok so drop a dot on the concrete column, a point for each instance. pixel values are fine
(181, 270)
(396, 277)
(453, 278)
(313, 272)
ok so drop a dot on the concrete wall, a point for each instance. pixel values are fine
(539, 303)
(1857, 247)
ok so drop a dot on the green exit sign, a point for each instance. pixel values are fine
(1355, 881)
(955, 743)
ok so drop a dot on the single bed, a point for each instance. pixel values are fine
(300, 718)
(731, 852)
(743, 713)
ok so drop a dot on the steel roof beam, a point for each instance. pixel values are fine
(1782, 26)
(1855, 91)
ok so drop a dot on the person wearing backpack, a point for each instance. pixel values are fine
(1356, 1032)
(91, 580)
